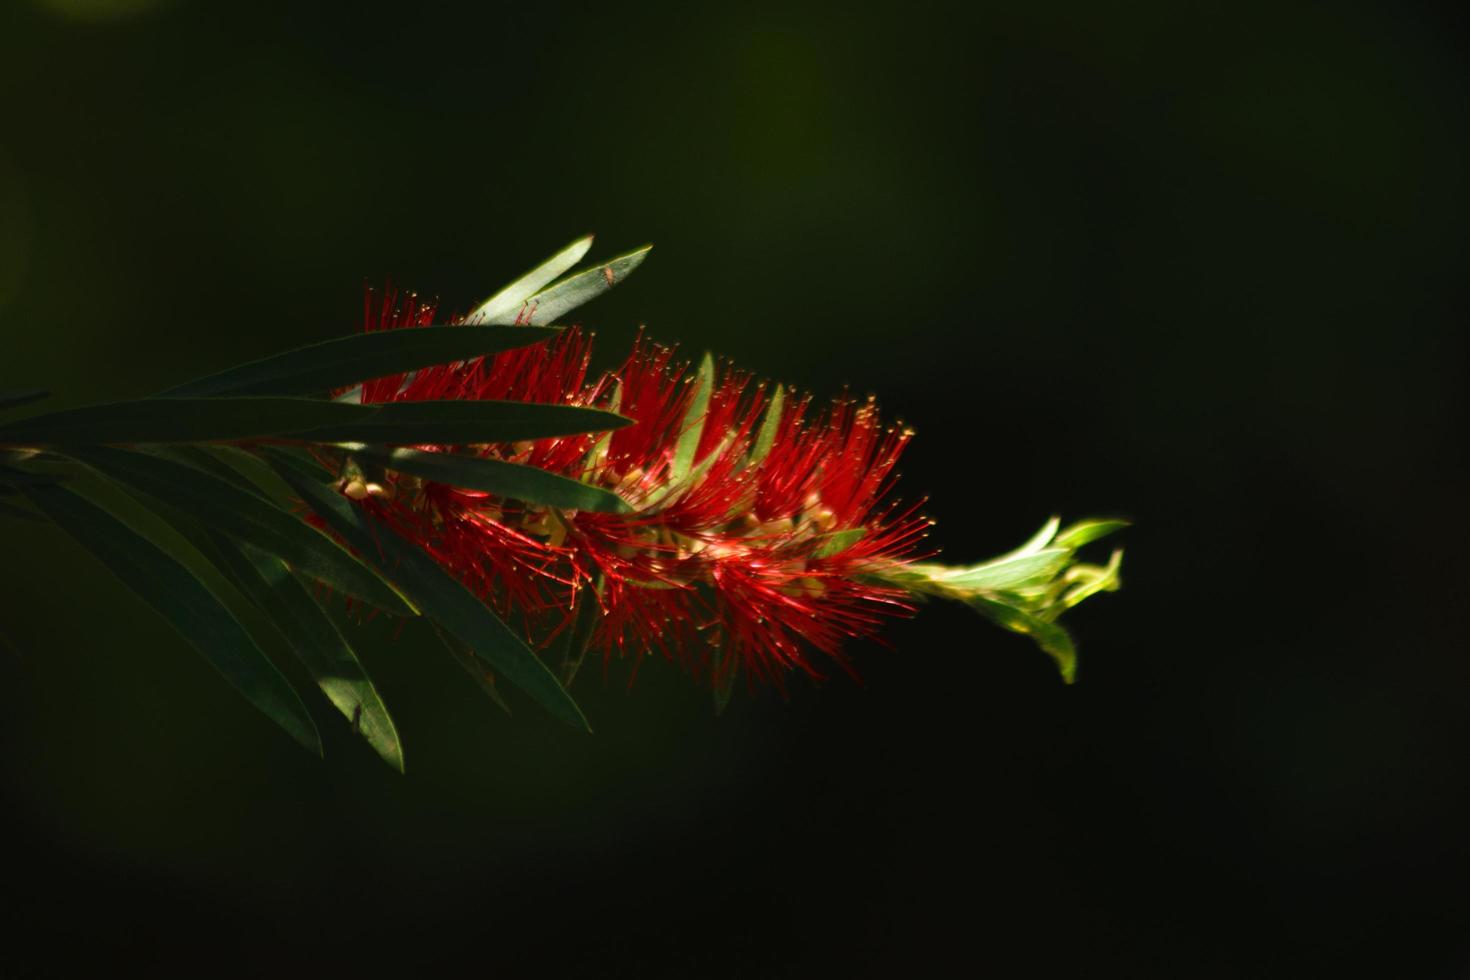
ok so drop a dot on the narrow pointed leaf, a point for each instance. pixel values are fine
(548, 305)
(442, 598)
(180, 420)
(241, 513)
(1085, 532)
(1052, 639)
(467, 423)
(16, 397)
(512, 480)
(202, 459)
(9, 510)
(1095, 580)
(839, 541)
(188, 605)
(1008, 573)
(313, 637)
(465, 657)
(509, 300)
(319, 368)
(724, 680)
(693, 429)
(766, 437)
(1037, 541)
(571, 652)
(20, 478)
(604, 442)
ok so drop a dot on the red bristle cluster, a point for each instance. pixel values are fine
(734, 558)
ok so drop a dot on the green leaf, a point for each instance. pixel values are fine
(836, 542)
(1005, 573)
(203, 459)
(503, 479)
(1052, 639)
(16, 397)
(318, 368)
(19, 513)
(549, 304)
(694, 417)
(1090, 580)
(724, 683)
(572, 649)
(1085, 532)
(467, 423)
(244, 514)
(313, 637)
(508, 301)
(20, 478)
(603, 445)
(1037, 541)
(188, 605)
(441, 597)
(766, 438)
(181, 420)
(465, 657)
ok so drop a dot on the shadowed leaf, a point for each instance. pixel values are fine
(313, 637)
(244, 514)
(319, 368)
(513, 480)
(16, 397)
(442, 598)
(467, 423)
(180, 420)
(19, 513)
(465, 657)
(188, 605)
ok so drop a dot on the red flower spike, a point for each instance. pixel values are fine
(773, 559)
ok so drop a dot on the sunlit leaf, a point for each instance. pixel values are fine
(766, 437)
(1090, 580)
(1004, 573)
(1085, 532)
(185, 602)
(319, 368)
(508, 301)
(1036, 542)
(548, 305)
(694, 417)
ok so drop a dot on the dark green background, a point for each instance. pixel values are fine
(1199, 264)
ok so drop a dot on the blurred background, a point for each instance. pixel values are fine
(1200, 265)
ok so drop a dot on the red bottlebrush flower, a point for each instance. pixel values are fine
(756, 521)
